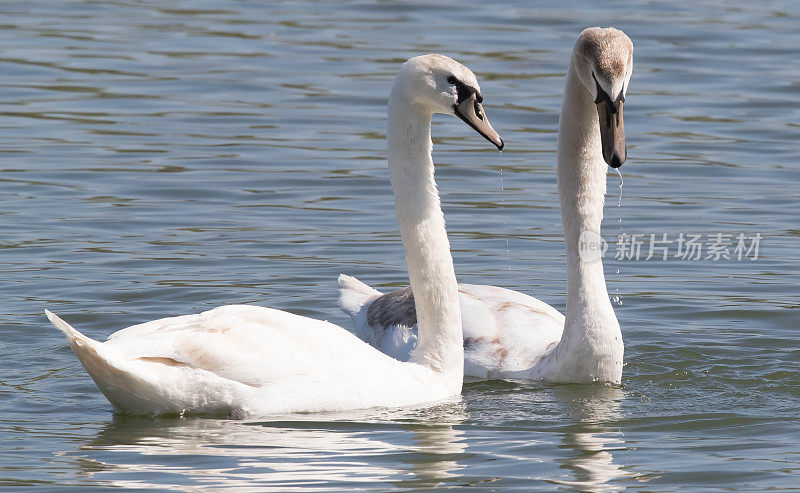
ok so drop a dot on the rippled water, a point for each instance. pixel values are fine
(161, 158)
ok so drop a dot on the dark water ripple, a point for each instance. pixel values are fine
(163, 158)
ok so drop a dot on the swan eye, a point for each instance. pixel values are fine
(600, 93)
(478, 111)
(603, 96)
(452, 79)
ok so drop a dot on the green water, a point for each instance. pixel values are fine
(162, 158)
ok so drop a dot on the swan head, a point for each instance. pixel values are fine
(439, 84)
(603, 60)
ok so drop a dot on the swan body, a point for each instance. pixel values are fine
(258, 360)
(507, 334)
(504, 330)
(253, 360)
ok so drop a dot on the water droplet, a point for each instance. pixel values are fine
(621, 182)
(617, 299)
(505, 221)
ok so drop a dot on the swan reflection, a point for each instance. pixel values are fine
(590, 439)
(285, 453)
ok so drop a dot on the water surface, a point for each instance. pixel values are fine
(161, 158)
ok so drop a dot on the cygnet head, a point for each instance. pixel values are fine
(439, 84)
(603, 60)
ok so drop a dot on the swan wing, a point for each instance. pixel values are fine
(504, 330)
(248, 344)
(387, 322)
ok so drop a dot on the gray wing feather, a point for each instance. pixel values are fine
(395, 308)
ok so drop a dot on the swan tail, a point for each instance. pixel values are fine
(96, 358)
(151, 384)
(354, 294)
(103, 364)
(79, 342)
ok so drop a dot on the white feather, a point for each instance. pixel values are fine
(354, 293)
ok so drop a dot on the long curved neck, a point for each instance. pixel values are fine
(592, 339)
(422, 227)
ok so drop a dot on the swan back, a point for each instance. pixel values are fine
(258, 360)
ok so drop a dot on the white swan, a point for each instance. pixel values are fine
(512, 335)
(264, 361)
